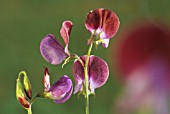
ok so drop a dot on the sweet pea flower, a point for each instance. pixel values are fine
(98, 73)
(144, 62)
(60, 91)
(52, 50)
(103, 23)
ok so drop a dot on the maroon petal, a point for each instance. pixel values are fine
(103, 21)
(93, 20)
(65, 33)
(24, 102)
(52, 51)
(61, 88)
(98, 72)
(78, 73)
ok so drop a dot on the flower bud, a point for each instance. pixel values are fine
(20, 94)
(60, 91)
(46, 80)
(27, 85)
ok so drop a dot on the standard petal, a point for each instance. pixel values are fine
(97, 69)
(60, 89)
(92, 20)
(52, 50)
(98, 72)
(65, 33)
(110, 24)
(66, 97)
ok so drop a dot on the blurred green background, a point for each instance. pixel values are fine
(23, 23)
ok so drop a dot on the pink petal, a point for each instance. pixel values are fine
(65, 33)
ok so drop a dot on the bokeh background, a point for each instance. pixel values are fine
(23, 23)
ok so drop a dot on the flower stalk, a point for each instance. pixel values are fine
(29, 110)
(87, 78)
(89, 71)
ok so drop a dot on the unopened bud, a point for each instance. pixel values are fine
(46, 80)
(27, 85)
(20, 94)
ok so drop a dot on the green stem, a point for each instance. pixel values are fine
(87, 78)
(78, 58)
(34, 98)
(29, 110)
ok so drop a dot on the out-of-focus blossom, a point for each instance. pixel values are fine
(51, 49)
(103, 23)
(60, 91)
(144, 63)
(98, 73)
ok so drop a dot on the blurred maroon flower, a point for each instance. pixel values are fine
(98, 73)
(60, 91)
(144, 61)
(102, 22)
(51, 49)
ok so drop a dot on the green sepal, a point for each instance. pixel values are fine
(66, 61)
(70, 58)
(46, 95)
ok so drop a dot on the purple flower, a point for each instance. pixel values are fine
(51, 49)
(60, 91)
(103, 23)
(97, 70)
